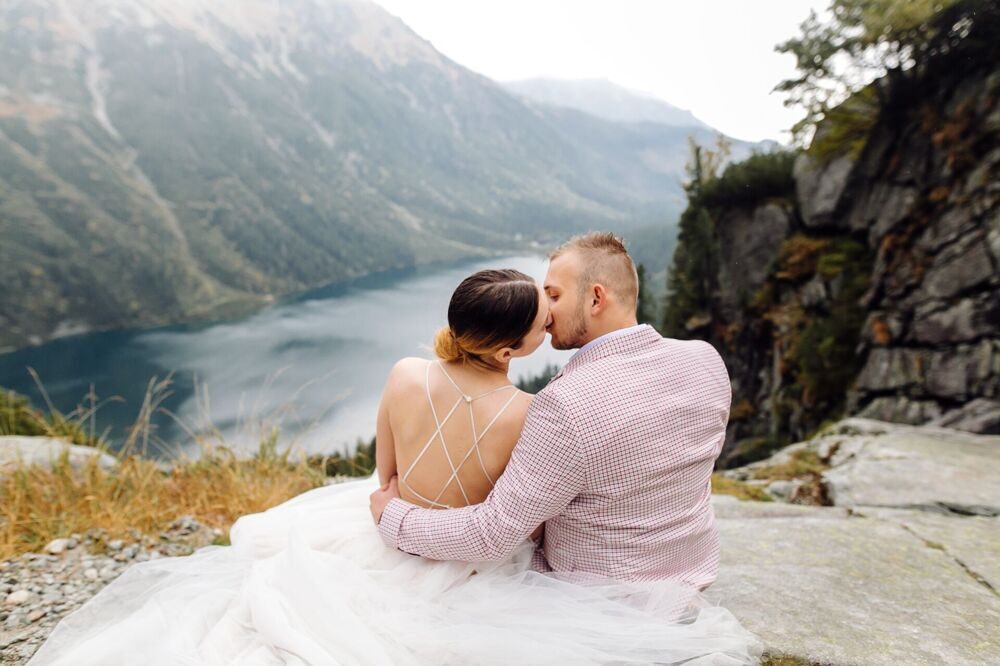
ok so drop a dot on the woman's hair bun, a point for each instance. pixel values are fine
(446, 346)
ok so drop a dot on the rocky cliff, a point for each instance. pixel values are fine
(872, 285)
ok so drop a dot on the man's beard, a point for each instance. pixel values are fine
(574, 339)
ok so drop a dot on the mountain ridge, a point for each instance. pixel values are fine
(166, 162)
(604, 99)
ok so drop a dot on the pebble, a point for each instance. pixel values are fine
(39, 589)
(57, 546)
(17, 598)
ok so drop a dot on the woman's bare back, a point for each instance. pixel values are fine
(446, 467)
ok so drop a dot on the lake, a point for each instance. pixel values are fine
(312, 365)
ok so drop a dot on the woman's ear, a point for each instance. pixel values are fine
(504, 355)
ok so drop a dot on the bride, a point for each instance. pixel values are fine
(311, 582)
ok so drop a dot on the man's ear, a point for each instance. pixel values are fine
(598, 298)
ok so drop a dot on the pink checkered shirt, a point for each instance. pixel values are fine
(616, 458)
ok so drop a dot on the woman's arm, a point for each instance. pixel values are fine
(385, 445)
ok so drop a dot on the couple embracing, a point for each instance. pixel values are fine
(570, 527)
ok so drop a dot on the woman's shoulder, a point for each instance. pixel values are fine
(407, 372)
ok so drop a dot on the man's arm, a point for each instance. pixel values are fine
(546, 471)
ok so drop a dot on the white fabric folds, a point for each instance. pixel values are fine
(310, 582)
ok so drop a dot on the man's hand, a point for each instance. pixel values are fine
(381, 497)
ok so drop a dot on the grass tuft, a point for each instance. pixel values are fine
(722, 485)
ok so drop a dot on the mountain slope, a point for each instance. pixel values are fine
(162, 161)
(605, 100)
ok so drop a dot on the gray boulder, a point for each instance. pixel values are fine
(819, 188)
(910, 549)
(44, 451)
(979, 416)
(957, 269)
(870, 587)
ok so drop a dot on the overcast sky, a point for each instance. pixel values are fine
(713, 57)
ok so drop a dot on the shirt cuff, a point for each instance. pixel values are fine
(392, 520)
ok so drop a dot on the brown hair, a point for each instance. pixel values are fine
(488, 311)
(606, 261)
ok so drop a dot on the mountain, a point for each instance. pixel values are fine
(170, 160)
(605, 100)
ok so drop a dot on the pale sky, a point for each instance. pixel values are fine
(715, 58)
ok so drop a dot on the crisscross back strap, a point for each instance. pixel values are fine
(438, 435)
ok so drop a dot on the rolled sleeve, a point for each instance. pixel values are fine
(391, 521)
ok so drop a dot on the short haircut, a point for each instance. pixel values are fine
(606, 261)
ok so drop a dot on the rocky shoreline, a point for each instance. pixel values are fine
(39, 589)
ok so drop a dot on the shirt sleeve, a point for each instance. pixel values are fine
(545, 473)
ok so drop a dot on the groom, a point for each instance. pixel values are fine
(617, 451)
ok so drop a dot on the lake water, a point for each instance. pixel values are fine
(313, 365)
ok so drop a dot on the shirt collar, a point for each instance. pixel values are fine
(608, 336)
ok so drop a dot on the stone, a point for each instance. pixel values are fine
(57, 546)
(17, 598)
(891, 369)
(748, 244)
(781, 489)
(963, 321)
(993, 235)
(834, 588)
(893, 204)
(947, 228)
(918, 466)
(115, 545)
(813, 293)
(43, 451)
(957, 269)
(979, 416)
(900, 409)
(948, 375)
(971, 540)
(90, 573)
(36, 615)
(818, 188)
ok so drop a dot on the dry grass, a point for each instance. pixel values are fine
(38, 505)
(802, 463)
(722, 485)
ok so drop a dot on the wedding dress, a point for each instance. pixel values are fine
(310, 582)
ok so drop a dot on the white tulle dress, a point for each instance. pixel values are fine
(310, 582)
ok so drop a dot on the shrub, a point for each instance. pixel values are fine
(760, 177)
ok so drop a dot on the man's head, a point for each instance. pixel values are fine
(592, 287)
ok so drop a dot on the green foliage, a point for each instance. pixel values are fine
(19, 417)
(823, 352)
(846, 127)
(871, 46)
(646, 306)
(693, 274)
(844, 254)
(692, 278)
(799, 256)
(759, 177)
(359, 463)
(538, 382)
